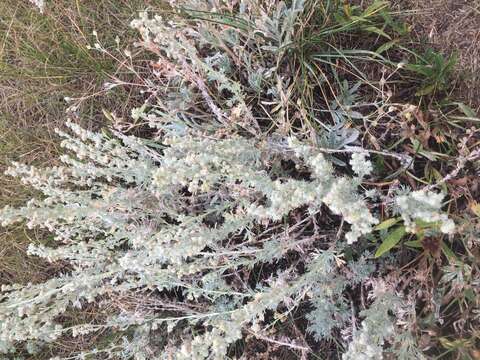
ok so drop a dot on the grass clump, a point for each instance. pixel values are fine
(299, 184)
(44, 59)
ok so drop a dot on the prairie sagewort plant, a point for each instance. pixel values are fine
(218, 233)
(180, 228)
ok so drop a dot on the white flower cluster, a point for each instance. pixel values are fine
(203, 164)
(211, 345)
(425, 206)
(363, 346)
(377, 327)
(360, 165)
(339, 194)
(342, 199)
(40, 4)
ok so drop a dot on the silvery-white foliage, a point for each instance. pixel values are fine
(40, 4)
(132, 219)
(360, 165)
(425, 206)
(162, 234)
(229, 63)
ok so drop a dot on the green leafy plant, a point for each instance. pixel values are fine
(435, 70)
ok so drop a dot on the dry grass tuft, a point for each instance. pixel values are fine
(43, 59)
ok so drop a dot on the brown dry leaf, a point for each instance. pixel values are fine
(432, 245)
(424, 136)
(422, 118)
(475, 208)
(425, 341)
(374, 142)
(463, 181)
(407, 131)
(438, 136)
(475, 354)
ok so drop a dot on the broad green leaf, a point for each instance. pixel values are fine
(470, 294)
(449, 253)
(386, 224)
(467, 110)
(386, 46)
(391, 240)
(358, 18)
(415, 244)
(378, 31)
(418, 68)
(439, 177)
(375, 7)
(108, 115)
(422, 224)
(426, 90)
